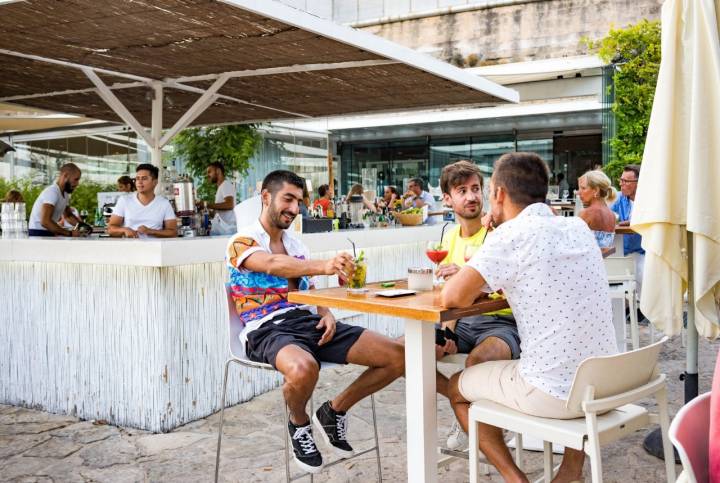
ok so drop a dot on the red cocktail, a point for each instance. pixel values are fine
(436, 252)
(436, 256)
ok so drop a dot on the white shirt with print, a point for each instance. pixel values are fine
(551, 271)
(294, 247)
(135, 214)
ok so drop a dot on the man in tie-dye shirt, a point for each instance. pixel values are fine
(265, 262)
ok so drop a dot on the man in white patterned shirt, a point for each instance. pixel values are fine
(551, 272)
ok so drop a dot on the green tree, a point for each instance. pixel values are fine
(635, 53)
(231, 145)
(85, 196)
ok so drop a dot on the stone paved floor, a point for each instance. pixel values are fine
(40, 447)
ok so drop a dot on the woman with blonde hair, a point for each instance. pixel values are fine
(596, 192)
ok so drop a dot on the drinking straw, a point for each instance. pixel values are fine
(353, 245)
(442, 233)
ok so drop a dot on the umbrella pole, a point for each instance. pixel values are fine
(653, 441)
(691, 358)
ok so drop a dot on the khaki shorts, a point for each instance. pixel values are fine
(501, 382)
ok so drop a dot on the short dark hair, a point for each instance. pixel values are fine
(69, 168)
(419, 182)
(153, 170)
(560, 177)
(275, 180)
(323, 189)
(217, 165)
(635, 168)
(393, 189)
(524, 176)
(457, 173)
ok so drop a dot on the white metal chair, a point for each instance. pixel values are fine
(237, 356)
(621, 271)
(690, 433)
(603, 389)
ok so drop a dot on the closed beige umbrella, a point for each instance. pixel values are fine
(677, 204)
(678, 190)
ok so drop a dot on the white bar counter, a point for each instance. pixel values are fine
(135, 331)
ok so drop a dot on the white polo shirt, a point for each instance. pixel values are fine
(551, 271)
(52, 195)
(135, 214)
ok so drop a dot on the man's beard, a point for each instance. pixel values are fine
(469, 215)
(68, 188)
(277, 217)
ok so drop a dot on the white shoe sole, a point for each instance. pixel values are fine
(305, 467)
(341, 453)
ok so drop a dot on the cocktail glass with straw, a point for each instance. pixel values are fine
(356, 282)
(436, 252)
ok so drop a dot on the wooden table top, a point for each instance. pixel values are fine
(624, 230)
(421, 306)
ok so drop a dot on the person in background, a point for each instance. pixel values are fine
(560, 324)
(13, 196)
(125, 184)
(390, 195)
(224, 221)
(305, 205)
(562, 184)
(357, 189)
(488, 337)
(143, 214)
(417, 197)
(266, 261)
(53, 204)
(595, 190)
(325, 195)
(632, 244)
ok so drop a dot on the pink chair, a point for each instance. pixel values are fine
(689, 432)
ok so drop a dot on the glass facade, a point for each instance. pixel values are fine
(305, 156)
(102, 156)
(399, 161)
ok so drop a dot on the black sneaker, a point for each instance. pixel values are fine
(334, 429)
(305, 453)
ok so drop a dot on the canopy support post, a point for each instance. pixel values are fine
(116, 105)
(205, 101)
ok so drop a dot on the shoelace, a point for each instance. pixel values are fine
(303, 434)
(341, 424)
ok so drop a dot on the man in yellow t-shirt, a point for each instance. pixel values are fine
(487, 337)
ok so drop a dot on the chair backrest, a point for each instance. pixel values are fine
(620, 268)
(690, 432)
(612, 375)
(247, 211)
(235, 325)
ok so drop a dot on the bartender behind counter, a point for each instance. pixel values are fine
(224, 221)
(142, 214)
(52, 204)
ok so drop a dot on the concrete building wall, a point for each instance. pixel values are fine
(493, 31)
(518, 32)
